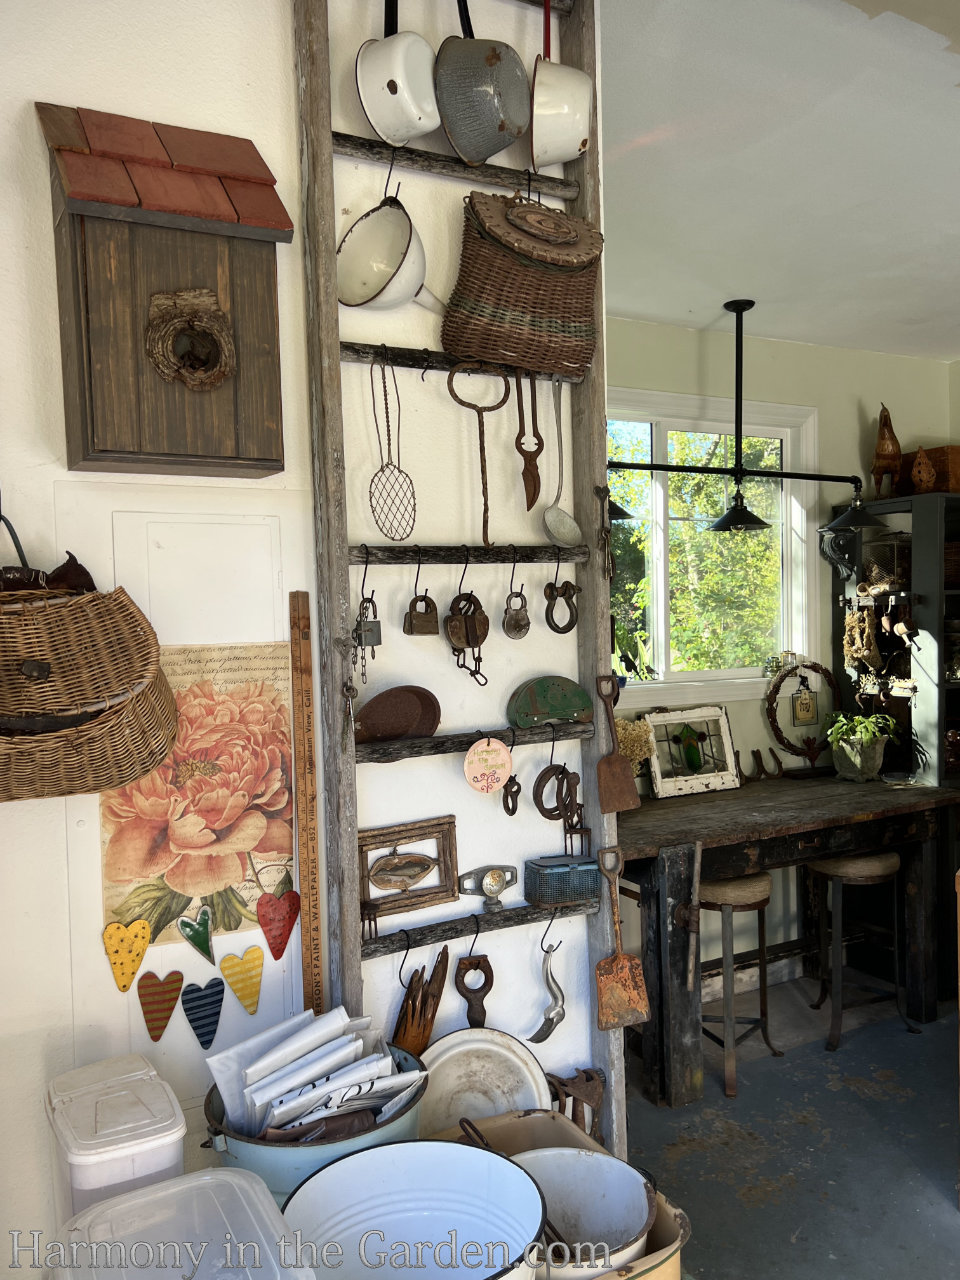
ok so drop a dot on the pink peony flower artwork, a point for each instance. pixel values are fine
(213, 823)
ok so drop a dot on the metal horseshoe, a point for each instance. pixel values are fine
(567, 592)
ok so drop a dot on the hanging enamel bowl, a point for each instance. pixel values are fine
(381, 262)
(561, 107)
(482, 91)
(395, 82)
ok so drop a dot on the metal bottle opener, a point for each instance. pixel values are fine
(516, 620)
(421, 618)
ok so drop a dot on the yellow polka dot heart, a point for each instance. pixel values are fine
(243, 974)
(126, 945)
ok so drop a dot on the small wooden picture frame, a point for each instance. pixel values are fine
(804, 707)
(381, 859)
(694, 751)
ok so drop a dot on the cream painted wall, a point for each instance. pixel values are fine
(846, 389)
(228, 65)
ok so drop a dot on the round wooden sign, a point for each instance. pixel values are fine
(487, 765)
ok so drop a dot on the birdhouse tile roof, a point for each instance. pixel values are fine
(121, 166)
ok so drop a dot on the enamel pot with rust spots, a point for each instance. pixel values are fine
(561, 108)
(395, 82)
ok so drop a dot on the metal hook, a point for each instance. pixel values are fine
(426, 363)
(476, 934)
(513, 737)
(553, 740)
(416, 581)
(466, 566)
(386, 185)
(556, 576)
(406, 952)
(366, 566)
(529, 180)
(553, 916)
(513, 591)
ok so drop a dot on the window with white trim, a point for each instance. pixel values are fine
(697, 612)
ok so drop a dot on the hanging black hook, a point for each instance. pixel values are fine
(476, 934)
(426, 363)
(406, 934)
(556, 576)
(416, 582)
(366, 566)
(513, 591)
(557, 945)
(553, 741)
(466, 566)
(386, 185)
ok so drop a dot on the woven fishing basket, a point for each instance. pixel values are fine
(84, 705)
(526, 290)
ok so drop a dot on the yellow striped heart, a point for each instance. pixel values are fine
(243, 975)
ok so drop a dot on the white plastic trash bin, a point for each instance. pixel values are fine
(205, 1225)
(117, 1126)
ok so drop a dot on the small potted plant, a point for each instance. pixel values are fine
(858, 743)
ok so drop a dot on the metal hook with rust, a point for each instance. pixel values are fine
(510, 793)
(555, 945)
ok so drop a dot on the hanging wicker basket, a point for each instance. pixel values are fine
(84, 706)
(526, 290)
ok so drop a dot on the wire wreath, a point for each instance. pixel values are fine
(811, 747)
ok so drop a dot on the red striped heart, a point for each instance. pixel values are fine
(277, 917)
(158, 996)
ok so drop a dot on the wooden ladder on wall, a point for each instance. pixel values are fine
(588, 401)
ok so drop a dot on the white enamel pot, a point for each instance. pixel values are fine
(591, 1198)
(469, 1207)
(561, 107)
(395, 82)
(381, 263)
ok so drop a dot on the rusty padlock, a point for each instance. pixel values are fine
(423, 621)
(466, 625)
(516, 620)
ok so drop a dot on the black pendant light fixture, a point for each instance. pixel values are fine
(738, 515)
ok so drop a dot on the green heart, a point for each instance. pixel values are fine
(197, 933)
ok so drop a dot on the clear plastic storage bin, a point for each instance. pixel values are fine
(204, 1225)
(117, 1126)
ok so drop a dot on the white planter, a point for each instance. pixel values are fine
(859, 761)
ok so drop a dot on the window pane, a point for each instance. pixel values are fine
(630, 599)
(725, 589)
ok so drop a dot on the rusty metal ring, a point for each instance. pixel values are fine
(475, 366)
(553, 772)
(510, 795)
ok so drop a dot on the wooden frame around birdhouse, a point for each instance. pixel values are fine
(683, 738)
(387, 841)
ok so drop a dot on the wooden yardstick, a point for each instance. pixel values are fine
(305, 790)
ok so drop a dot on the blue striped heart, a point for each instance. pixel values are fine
(202, 1007)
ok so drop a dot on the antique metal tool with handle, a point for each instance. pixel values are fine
(615, 783)
(621, 991)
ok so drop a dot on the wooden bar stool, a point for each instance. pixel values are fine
(865, 869)
(745, 893)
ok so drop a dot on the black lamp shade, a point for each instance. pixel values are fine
(856, 516)
(737, 516)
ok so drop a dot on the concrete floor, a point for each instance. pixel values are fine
(840, 1165)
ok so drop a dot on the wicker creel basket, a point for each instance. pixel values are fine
(526, 290)
(84, 705)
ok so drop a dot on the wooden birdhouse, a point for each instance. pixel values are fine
(166, 274)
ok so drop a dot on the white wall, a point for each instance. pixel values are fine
(224, 66)
(228, 65)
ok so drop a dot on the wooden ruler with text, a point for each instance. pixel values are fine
(305, 791)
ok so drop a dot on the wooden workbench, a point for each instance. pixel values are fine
(757, 827)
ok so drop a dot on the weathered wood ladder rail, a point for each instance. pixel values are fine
(588, 407)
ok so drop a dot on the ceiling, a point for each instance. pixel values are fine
(805, 153)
